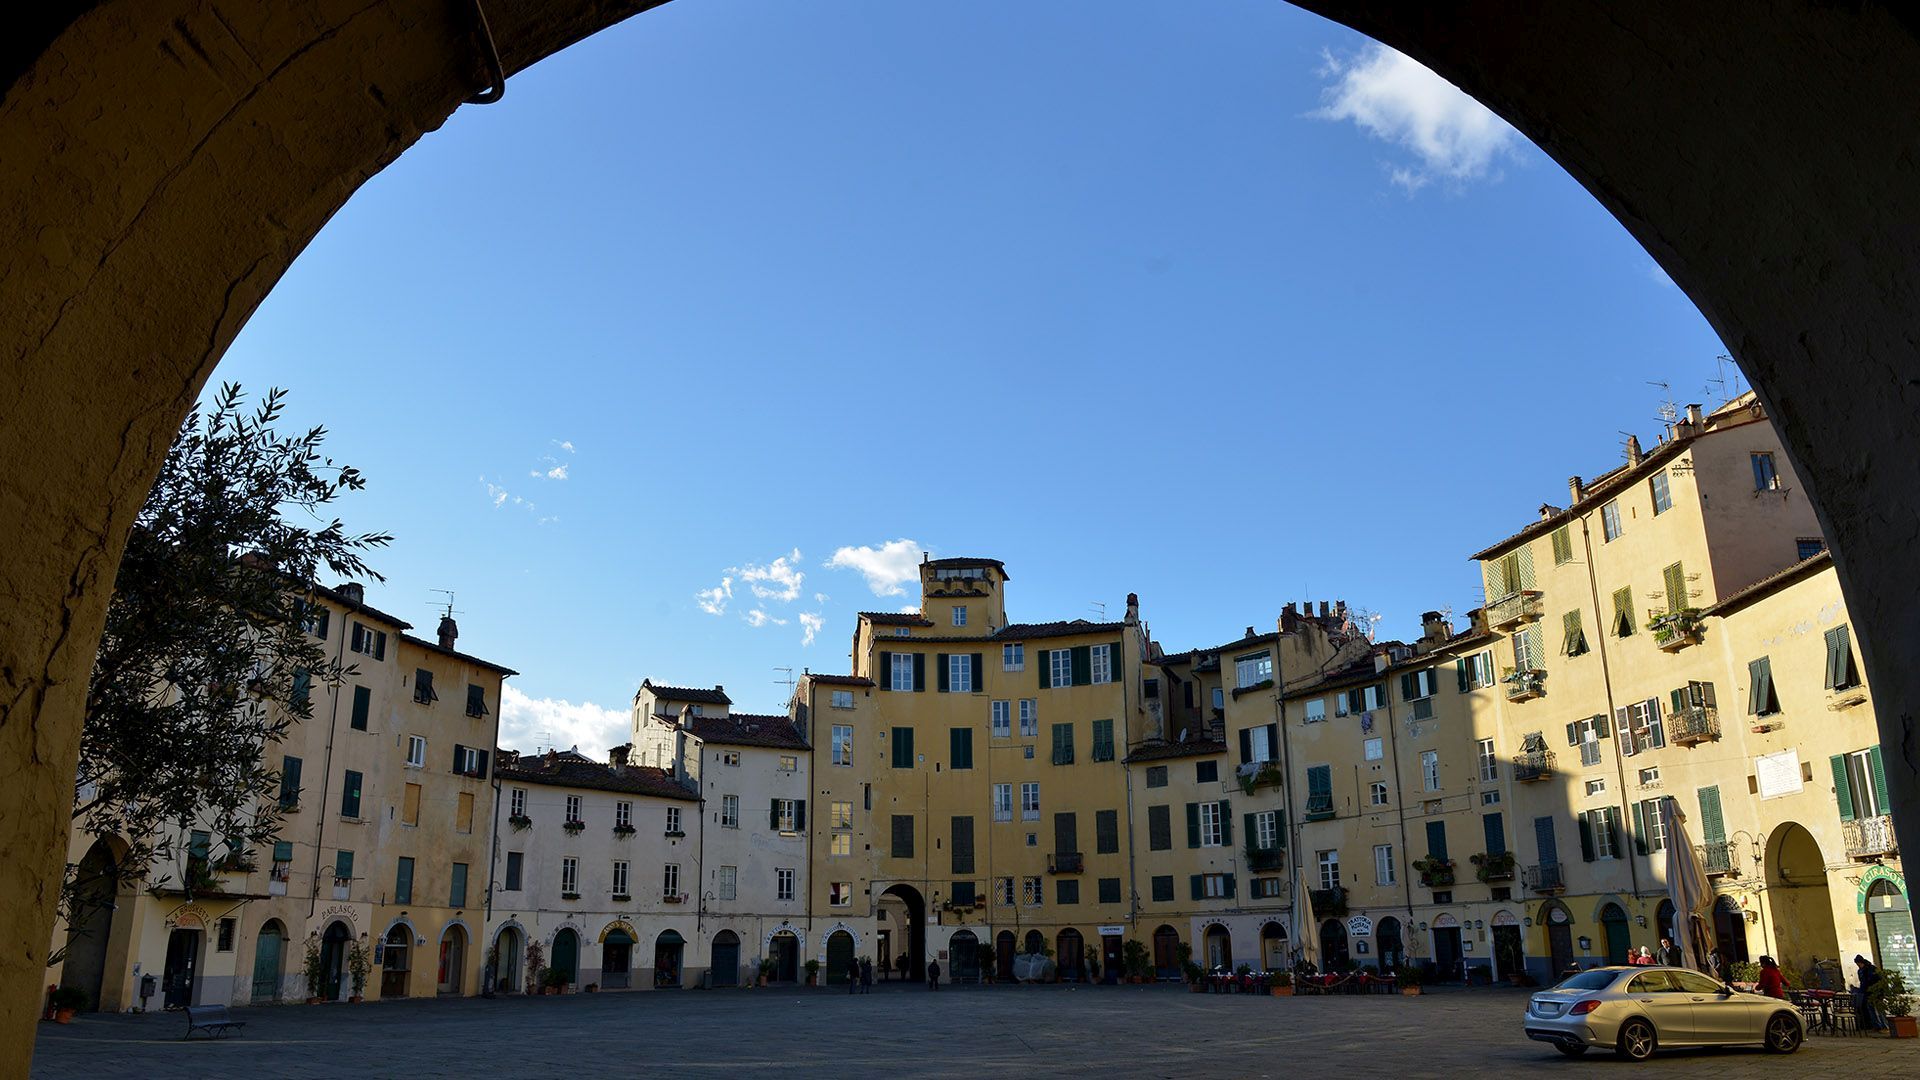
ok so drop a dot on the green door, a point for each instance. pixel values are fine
(266, 967)
(566, 954)
(839, 957)
(1619, 940)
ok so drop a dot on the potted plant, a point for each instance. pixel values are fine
(813, 971)
(1409, 979)
(359, 964)
(553, 981)
(312, 969)
(1093, 967)
(593, 988)
(536, 966)
(1280, 983)
(519, 822)
(573, 827)
(1891, 998)
(1137, 961)
(1743, 974)
(1195, 977)
(65, 1001)
(624, 831)
(766, 970)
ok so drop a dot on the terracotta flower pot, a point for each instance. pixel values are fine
(315, 1000)
(63, 1016)
(1281, 991)
(1410, 991)
(355, 999)
(1901, 1027)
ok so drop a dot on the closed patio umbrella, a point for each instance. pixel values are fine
(1687, 885)
(1306, 930)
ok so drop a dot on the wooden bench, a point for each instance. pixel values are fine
(215, 1020)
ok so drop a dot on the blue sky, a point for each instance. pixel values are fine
(1220, 304)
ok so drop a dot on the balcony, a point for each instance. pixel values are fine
(1533, 766)
(1066, 862)
(1434, 873)
(1693, 725)
(1258, 774)
(1869, 837)
(1675, 630)
(1544, 878)
(1495, 867)
(1265, 858)
(1525, 685)
(1319, 807)
(1514, 609)
(1719, 858)
(1329, 903)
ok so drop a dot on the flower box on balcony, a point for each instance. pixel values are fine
(569, 896)
(1329, 903)
(1434, 873)
(1693, 725)
(1514, 609)
(674, 898)
(520, 821)
(622, 898)
(573, 827)
(1525, 685)
(1545, 878)
(1254, 776)
(1869, 838)
(624, 831)
(1494, 867)
(1675, 630)
(1533, 766)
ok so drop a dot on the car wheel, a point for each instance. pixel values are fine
(1571, 1049)
(1783, 1034)
(1636, 1041)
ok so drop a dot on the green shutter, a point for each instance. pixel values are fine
(1407, 691)
(1113, 659)
(343, 864)
(884, 677)
(289, 781)
(283, 851)
(940, 672)
(1573, 733)
(1229, 880)
(979, 672)
(1676, 581)
(960, 749)
(1226, 823)
(919, 672)
(1253, 831)
(1460, 673)
(1879, 774)
(362, 702)
(1193, 826)
(1713, 826)
(799, 815)
(1842, 790)
(1044, 667)
(403, 883)
(1082, 665)
(1586, 835)
(1640, 827)
(1199, 886)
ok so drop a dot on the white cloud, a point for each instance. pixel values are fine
(757, 617)
(812, 622)
(778, 580)
(500, 496)
(527, 724)
(714, 601)
(558, 472)
(1658, 276)
(821, 598)
(887, 568)
(564, 444)
(1396, 100)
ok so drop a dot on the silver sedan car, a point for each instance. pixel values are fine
(1637, 1010)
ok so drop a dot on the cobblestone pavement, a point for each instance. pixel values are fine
(896, 1031)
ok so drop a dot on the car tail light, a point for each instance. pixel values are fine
(1582, 1008)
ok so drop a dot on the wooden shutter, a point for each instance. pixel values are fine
(1842, 789)
(919, 672)
(1623, 612)
(1082, 665)
(979, 673)
(343, 864)
(1676, 582)
(1066, 833)
(1586, 835)
(1106, 832)
(884, 679)
(1044, 667)
(1113, 659)
(1228, 881)
(963, 845)
(1437, 840)
(940, 672)
(362, 704)
(1159, 828)
(410, 806)
(1226, 823)
(773, 815)
(1640, 827)
(289, 781)
(1356, 701)
(1199, 886)
(1193, 823)
(1246, 745)
(961, 751)
(1407, 692)
(1760, 686)
(1460, 673)
(1320, 782)
(1496, 833)
(403, 882)
(1623, 723)
(480, 764)
(1253, 829)
(1713, 826)
(1573, 733)
(1878, 773)
(799, 815)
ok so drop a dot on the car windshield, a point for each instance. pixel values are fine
(1588, 980)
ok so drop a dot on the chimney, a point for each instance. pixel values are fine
(506, 759)
(1576, 490)
(449, 631)
(553, 758)
(1633, 450)
(1249, 631)
(1324, 613)
(618, 756)
(355, 592)
(1133, 608)
(1433, 628)
(1695, 417)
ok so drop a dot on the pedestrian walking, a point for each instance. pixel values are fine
(1670, 954)
(866, 976)
(933, 974)
(853, 976)
(1640, 957)
(1772, 983)
(1870, 1018)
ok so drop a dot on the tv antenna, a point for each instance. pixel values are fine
(1729, 386)
(1669, 412)
(789, 682)
(450, 610)
(1100, 607)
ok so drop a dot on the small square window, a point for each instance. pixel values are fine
(959, 614)
(1206, 772)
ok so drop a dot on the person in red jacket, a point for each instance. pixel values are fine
(1772, 983)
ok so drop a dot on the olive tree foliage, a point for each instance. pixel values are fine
(208, 658)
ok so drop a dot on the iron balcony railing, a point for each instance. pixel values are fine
(1525, 685)
(1329, 903)
(1266, 858)
(1532, 765)
(1319, 807)
(1545, 878)
(1694, 724)
(1719, 857)
(1066, 862)
(1869, 837)
(1513, 609)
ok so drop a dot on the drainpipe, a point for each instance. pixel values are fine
(1406, 878)
(1606, 680)
(1286, 802)
(326, 769)
(493, 839)
(1126, 781)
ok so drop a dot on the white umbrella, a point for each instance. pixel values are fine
(1687, 885)
(1306, 929)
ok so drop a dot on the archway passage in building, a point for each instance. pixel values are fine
(725, 964)
(1448, 958)
(396, 962)
(1333, 945)
(1798, 900)
(1663, 919)
(840, 962)
(963, 957)
(616, 960)
(1218, 942)
(1391, 944)
(1273, 947)
(1004, 949)
(183, 960)
(453, 959)
(1166, 953)
(1070, 955)
(1509, 947)
(333, 960)
(784, 950)
(1559, 923)
(509, 959)
(668, 948)
(90, 933)
(1619, 938)
(269, 958)
(916, 927)
(1890, 927)
(566, 954)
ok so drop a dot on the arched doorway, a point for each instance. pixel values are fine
(1617, 938)
(396, 962)
(1166, 953)
(91, 928)
(453, 959)
(725, 964)
(668, 948)
(1797, 898)
(905, 901)
(616, 960)
(963, 954)
(566, 955)
(784, 950)
(1333, 945)
(840, 958)
(1559, 923)
(1448, 958)
(1070, 955)
(1273, 947)
(333, 960)
(1218, 943)
(1663, 919)
(1003, 952)
(1890, 926)
(1509, 947)
(1387, 938)
(269, 956)
(509, 950)
(1730, 930)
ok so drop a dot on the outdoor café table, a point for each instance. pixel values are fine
(1816, 1008)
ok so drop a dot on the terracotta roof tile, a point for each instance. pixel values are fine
(749, 729)
(692, 694)
(572, 770)
(1162, 751)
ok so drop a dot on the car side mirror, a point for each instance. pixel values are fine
(1726, 990)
